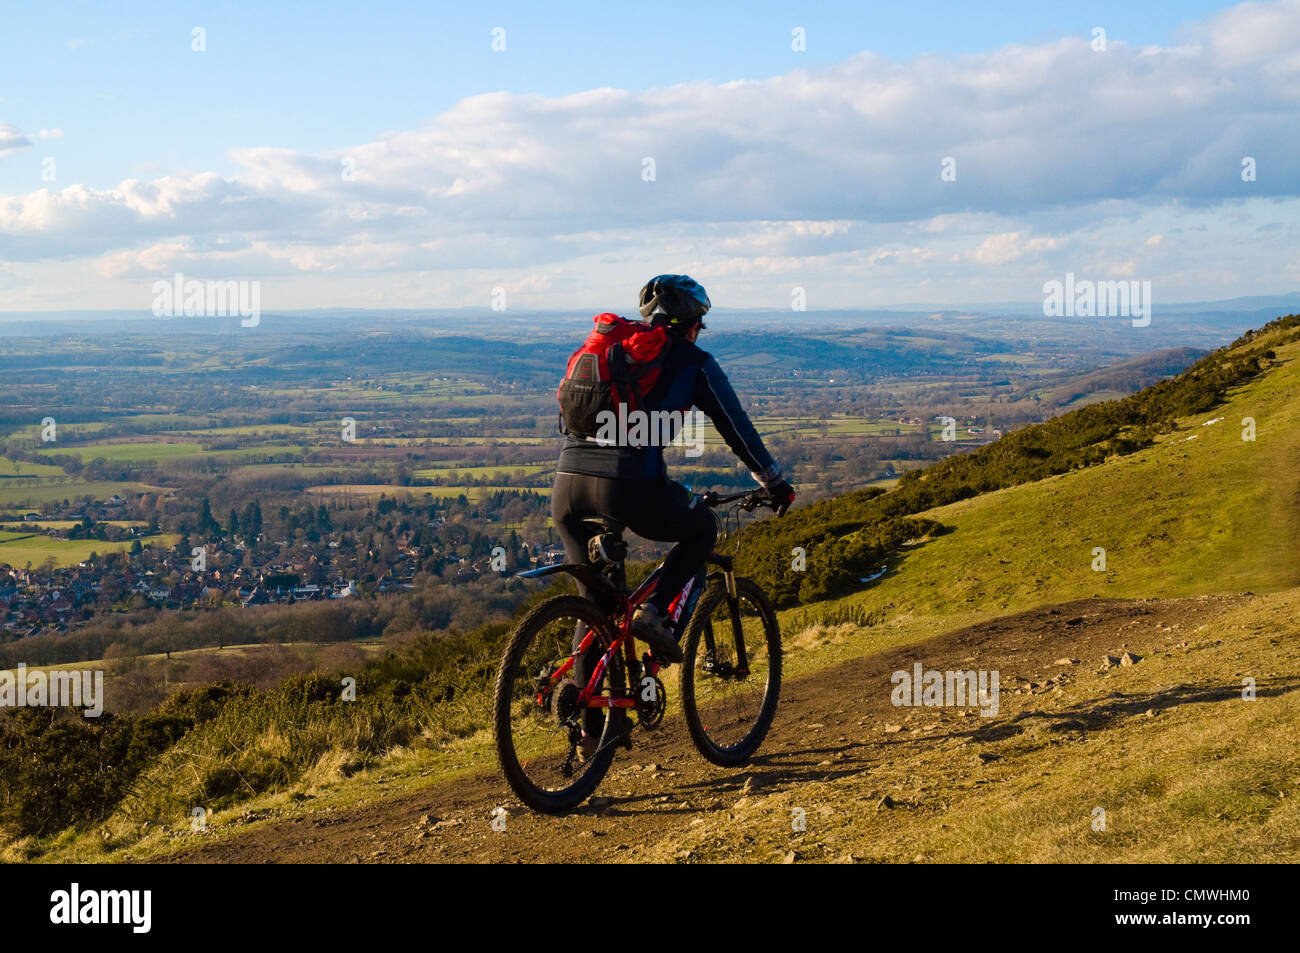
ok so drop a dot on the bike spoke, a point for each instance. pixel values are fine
(730, 704)
(546, 734)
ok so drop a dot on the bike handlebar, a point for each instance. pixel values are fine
(752, 499)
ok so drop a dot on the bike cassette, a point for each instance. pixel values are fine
(651, 703)
(564, 701)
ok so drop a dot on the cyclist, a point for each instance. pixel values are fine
(630, 483)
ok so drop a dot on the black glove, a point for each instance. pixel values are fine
(781, 495)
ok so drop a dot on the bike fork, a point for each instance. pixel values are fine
(727, 566)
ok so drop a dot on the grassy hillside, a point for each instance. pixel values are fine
(1181, 492)
(1199, 511)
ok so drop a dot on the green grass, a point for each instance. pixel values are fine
(1212, 514)
(837, 425)
(66, 552)
(255, 451)
(19, 496)
(474, 473)
(126, 452)
(158, 451)
(11, 468)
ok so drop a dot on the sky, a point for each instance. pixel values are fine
(426, 155)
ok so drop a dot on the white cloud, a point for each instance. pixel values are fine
(1009, 246)
(1250, 33)
(836, 168)
(11, 139)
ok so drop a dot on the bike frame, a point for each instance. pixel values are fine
(624, 603)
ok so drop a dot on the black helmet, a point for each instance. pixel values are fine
(679, 298)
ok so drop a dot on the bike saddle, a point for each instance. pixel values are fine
(604, 524)
(606, 545)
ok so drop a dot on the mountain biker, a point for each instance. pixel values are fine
(630, 483)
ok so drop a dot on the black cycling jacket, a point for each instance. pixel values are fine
(691, 378)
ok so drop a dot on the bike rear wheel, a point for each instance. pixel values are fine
(539, 729)
(728, 706)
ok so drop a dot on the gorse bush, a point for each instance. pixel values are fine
(837, 565)
(220, 744)
(59, 770)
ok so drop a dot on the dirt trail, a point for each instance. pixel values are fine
(830, 724)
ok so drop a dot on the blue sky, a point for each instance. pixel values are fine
(121, 81)
(219, 162)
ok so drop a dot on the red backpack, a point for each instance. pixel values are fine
(617, 366)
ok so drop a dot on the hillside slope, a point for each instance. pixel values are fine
(1185, 766)
(1202, 511)
(1182, 766)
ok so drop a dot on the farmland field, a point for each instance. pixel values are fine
(135, 452)
(11, 468)
(18, 552)
(70, 490)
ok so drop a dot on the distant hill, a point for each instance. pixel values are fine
(1124, 378)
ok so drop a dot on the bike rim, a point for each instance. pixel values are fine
(555, 743)
(729, 706)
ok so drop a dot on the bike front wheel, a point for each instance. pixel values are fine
(731, 672)
(553, 752)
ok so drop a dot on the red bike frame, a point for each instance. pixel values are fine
(589, 698)
(623, 606)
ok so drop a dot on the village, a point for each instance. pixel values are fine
(225, 570)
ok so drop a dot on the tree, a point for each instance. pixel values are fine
(207, 524)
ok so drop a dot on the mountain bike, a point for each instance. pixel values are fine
(571, 687)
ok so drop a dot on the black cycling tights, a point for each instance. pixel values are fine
(657, 510)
